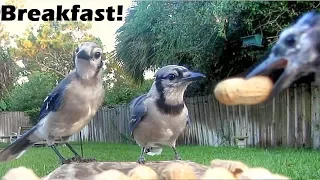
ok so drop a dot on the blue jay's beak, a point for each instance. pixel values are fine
(289, 74)
(193, 76)
(82, 54)
(267, 66)
(296, 52)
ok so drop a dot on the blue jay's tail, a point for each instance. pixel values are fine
(19, 146)
(154, 151)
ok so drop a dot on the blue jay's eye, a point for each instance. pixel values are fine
(97, 55)
(171, 76)
(290, 40)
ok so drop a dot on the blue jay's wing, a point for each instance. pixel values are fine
(55, 99)
(188, 121)
(138, 110)
(52, 103)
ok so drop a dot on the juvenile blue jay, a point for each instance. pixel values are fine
(69, 107)
(297, 51)
(160, 116)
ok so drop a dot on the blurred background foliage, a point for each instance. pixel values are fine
(202, 35)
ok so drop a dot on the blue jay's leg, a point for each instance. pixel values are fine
(77, 157)
(142, 159)
(73, 151)
(62, 159)
(176, 154)
(65, 140)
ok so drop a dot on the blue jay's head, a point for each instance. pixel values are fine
(88, 59)
(297, 52)
(171, 81)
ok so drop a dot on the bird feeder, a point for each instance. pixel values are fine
(253, 40)
(241, 141)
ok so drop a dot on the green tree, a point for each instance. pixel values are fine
(7, 67)
(29, 96)
(16, 3)
(270, 18)
(6, 71)
(50, 47)
(185, 33)
(205, 36)
(6, 60)
(120, 87)
(123, 93)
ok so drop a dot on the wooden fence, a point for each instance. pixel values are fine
(10, 122)
(290, 119)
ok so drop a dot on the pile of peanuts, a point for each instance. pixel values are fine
(219, 169)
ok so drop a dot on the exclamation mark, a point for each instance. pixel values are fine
(120, 11)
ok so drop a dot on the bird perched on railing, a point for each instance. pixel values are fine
(69, 107)
(160, 116)
(297, 51)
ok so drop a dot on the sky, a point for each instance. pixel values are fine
(105, 30)
(102, 29)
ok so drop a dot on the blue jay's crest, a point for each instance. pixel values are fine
(308, 19)
(171, 82)
(168, 71)
(90, 49)
(88, 60)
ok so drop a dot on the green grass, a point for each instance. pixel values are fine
(294, 163)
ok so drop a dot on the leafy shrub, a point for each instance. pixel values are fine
(29, 96)
(122, 93)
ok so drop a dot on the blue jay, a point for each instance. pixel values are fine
(160, 116)
(69, 107)
(296, 51)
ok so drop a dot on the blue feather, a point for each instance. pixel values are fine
(138, 111)
(55, 99)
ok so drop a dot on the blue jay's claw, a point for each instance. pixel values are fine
(64, 161)
(177, 157)
(77, 159)
(176, 154)
(141, 160)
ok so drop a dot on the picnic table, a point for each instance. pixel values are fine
(12, 137)
(23, 129)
